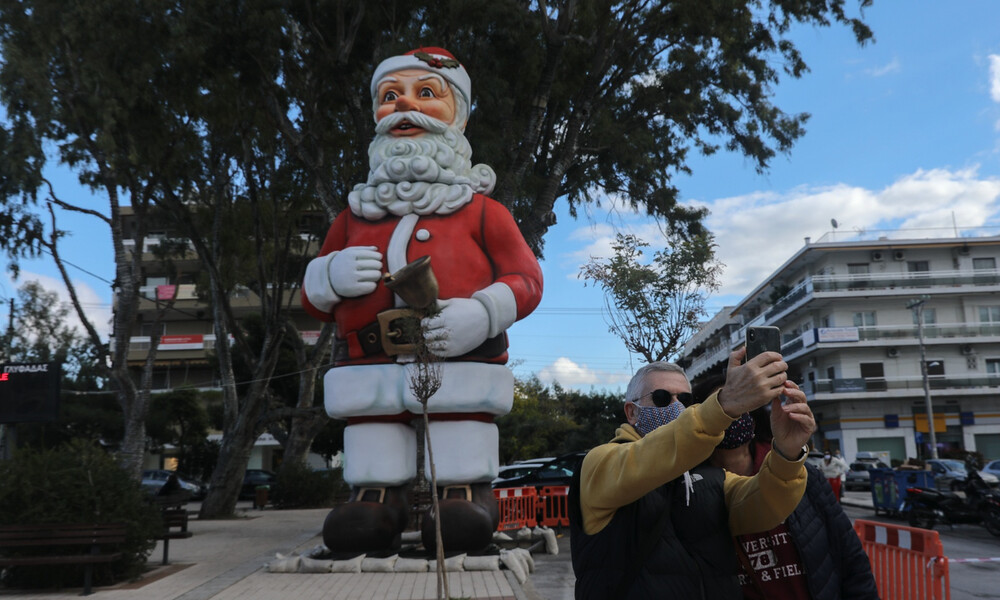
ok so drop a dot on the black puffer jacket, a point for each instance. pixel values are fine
(835, 564)
(694, 558)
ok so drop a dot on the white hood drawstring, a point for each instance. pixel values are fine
(688, 487)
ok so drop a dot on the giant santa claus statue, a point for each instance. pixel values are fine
(423, 198)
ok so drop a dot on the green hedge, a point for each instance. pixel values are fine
(298, 486)
(76, 483)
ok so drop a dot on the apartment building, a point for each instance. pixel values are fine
(170, 276)
(849, 312)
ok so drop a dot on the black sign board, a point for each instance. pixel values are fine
(29, 392)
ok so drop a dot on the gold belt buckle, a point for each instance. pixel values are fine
(465, 490)
(390, 324)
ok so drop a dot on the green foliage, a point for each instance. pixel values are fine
(200, 460)
(93, 417)
(76, 483)
(552, 421)
(177, 418)
(298, 486)
(43, 334)
(585, 99)
(655, 305)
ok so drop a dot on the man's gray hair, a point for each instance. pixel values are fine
(632, 392)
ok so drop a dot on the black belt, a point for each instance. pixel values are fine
(370, 340)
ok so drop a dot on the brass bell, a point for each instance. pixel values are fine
(415, 283)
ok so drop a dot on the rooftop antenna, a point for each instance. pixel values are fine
(834, 223)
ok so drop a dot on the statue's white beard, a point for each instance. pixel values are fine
(427, 174)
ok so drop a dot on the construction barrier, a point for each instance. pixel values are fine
(553, 506)
(908, 562)
(517, 507)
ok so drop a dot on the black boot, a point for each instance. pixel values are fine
(469, 517)
(371, 522)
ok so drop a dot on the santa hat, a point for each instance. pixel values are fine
(435, 60)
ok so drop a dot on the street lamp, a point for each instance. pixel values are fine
(918, 308)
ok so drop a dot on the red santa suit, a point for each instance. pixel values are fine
(476, 252)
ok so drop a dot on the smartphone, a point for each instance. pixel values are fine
(763, 339)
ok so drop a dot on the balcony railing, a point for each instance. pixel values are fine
(883, 384)
(707, 359)
(885, 281)
(931, 331)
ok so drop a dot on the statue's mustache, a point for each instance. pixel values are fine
(419, 119)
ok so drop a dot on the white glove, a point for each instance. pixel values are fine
(355, 271)
(462, 325)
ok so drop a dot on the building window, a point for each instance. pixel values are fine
(935, 373)
(918, 268)
(988, 266)
(146, 329)
(858, 274)
(864, 319)
(930, 316)
(874, 376)
(993, 367)
(989, 314)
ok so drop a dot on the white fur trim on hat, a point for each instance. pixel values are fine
(456, 76)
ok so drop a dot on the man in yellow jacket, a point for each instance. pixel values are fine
(656, 522)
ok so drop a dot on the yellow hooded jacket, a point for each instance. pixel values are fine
(614, 475)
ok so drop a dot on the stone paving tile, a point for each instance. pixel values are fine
(225, 560)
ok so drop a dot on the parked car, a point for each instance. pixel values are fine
(153, 480)
(992, 467)
(255, 477)
(950, 474)
(558, 471)
(858, 475)
(518, 469)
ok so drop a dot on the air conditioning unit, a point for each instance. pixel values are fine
(892, 352)
(968, 350)
(898, 255)
(877, 256)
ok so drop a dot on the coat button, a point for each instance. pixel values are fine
(423, 235)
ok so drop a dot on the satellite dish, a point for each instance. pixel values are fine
(834, 223)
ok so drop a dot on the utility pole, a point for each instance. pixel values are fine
(9, 340)
(918, 308)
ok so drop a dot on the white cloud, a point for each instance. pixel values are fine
(758, 232)
(995, 77)
(892, 66)
(995, 81)
(572, 375)
(98, 311)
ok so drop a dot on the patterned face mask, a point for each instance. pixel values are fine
(651, 417)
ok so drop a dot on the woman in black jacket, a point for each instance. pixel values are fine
(815, 554)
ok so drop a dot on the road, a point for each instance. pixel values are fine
(553, 577)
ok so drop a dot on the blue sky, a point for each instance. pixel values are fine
(905, 133)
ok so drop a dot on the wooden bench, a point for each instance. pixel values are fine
(96, 544)
(175, 527)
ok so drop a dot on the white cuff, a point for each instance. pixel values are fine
(316, 283)
(500, 305)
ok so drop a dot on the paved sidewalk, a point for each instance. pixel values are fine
(225, 560)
